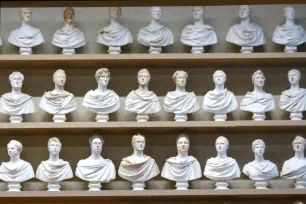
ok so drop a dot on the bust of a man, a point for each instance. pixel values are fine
(198, 34)
(289, 34)
(246, 34)
(115, 35)
(16, 103)
(155, 35)
(69, 37)
(180, 102)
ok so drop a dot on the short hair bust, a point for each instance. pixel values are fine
(300, 138)
(24, 9)
(219, 71)
(17, 144)
(223, 138)
(113, 8)
(58, 72)
(134, 138)
(94, 137)
(258, 142)
(258, 72)
(179, 72)
(16, 73)
(54, 139)
(183, 135)
(144, 70)
(101, 71)
(67, 11)
(289, 8)
(295, 70)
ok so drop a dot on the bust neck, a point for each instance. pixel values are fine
(221, 155)
(16, 92)
(15, 158)
(258, 90)
(245, 22)
(180, 89)
(68, 26)
(143, 88)
(294, 87)
(53, 157)
(299, 155)
(259, 159)
(289, 22)
(114, 23)
(25, 24)
(95, 156)
(58, 89)
(182, 156)
(199, 22)
(101, 88)
(155, 23)
(219, 88)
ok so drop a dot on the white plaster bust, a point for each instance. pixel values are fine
(102, 101)
(16, 103)
(180, 102)
(58, 101)
(293, 100)
(69, 37)
(198, 34)
(258, 101)
(155, 35)
(115, 35)
(142, 101)
(138, 167)
(219, 101)
(246, 34)
(289, 34)
(26, 36)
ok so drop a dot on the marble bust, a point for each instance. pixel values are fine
(54, 170)
(180, 102)
(155, 35)
(182, 168)
(258, 101)
(115, 35)
(295, 168)
(16, 103)
(16, 170)
(219, 101)
(293, 100)
(58, 102)
(198, 35)
(95, 168)
(26, 36)
(138, 167)
(260, 170)
(289, 34)
(246, 34)
(142, 101)
(69, 38)
(102, 101)
(221, 168)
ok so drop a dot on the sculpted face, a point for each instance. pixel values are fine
(54, 148)
(259, 149)
(16, 81)
(198, 12)
(221, 145)
(104, 79)
(139, 143)
(294, 77)
(26, 14)
(12, 150)
(115, 13)
(143, 78)
(183, 144)
(244, 11)
(290, 13)
(69, 17)
(156, 13)
(259, 80)
(181, 80)
(298, 145)
(60, 79)
(96, 145)
(219, 77)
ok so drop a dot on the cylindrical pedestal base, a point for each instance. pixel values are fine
(142, 117)
(68, 51)
(259, 116)
(220, 117)
(300, 184)
(296, 116)
(261, 185)
(246, 50)
(94, 186)
(114, 50)
(182, 185)
(290, 49)
(59, 118)
(56, 186)
(16, 119)
(13, 187)
(102, 117)
(197, 50)
(222, 185)
(138, 186)
(155, 50)
(180, 117)
(25, 51)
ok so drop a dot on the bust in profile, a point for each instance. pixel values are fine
(115, 35)
(180, 102)
(102, 101)
(26, 36)
(16, 103)
(246, 34)
(69, 37)
(155, 35)
(289, 34)
(198, 35)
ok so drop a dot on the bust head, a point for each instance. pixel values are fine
(25, 14)
(114, 13)
(244, 11)
(143, 77)
(69, 15)
(198, 12)
(16, 79)
(258, 78)
(138, 142)
(219, 77)
(299, 144)
(289, 12)
(222, 144)
(294, 76)
(180, 78)
(258, 147)
(14, 148)
(54, 146)
(182, 143)
(102, 76)
(156, 12)
(59, 77)
(96, 143)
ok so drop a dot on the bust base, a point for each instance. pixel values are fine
(16, 118)
(220, 117)
(197, 50)
(25, 51)
(13, 187)
(246, 50)
(180, 117)
(59, 118)
(55, 186)
(142, 117)
(222, 185)
(155, 50)
(102, 117)
(290, 49)
(182, 185)
(300, 184)
(261, 185)
(296, 116)
(94, 186)
(114, 50)
(68, 51)
(138, 186)
(259, 116)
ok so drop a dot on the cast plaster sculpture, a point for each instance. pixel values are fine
(142, 101)
(155, 35)
(69, 38)
(25, 37)
(16, 170)
(219, 101)
(16, 103)
(258, 101)
(289, 34)
(58, 102)
(293, 100)
(182, 168)
(198, 35)
(95, 168)
(246, 34)
(102, 101)
(180, 102)
(54, 170)
(260, 170)
(115, 35)
(295, 168)
(221, 168)
(138, 168)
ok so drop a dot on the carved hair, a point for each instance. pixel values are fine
(17, 144)
(289, 7)
(250, 9)
(15, 73)
(177, 73)
(94, 137)
(144, 70)
(100, 71)
(258, 142)
(295, 70)
(24, 9)
(54, 139)
(258, 72)
(181, 136)
(68, 10)
(154, 7)
(300, 138)
(219, 71)
(113, 8)
(57, 72)
(223, 138)
(202, 7)
(134, 138)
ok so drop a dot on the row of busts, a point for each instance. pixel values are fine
(198, 35)
(139, 168)
(144, 102)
